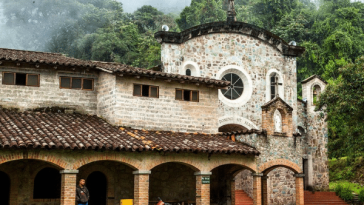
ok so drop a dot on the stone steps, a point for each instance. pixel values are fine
(242, 198)
(323, 198)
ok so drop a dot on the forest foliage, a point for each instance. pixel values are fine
(330, 30)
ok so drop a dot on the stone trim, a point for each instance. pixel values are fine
(203, 173)
(280, 163)
(233, 27)
(142, 172)
(69, 171)
(257, 174)
(299, 175)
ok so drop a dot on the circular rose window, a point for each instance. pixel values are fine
(236, 88)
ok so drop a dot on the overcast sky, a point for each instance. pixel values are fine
(167, 6)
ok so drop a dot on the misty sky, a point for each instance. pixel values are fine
(166, 6)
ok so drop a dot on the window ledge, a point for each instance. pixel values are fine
(280, 134)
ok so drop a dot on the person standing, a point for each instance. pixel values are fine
(82, 194)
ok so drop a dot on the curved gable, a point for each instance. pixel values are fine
(232, 27)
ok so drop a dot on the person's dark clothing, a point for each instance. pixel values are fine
(82, 195)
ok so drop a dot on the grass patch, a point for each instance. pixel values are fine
(354, 186)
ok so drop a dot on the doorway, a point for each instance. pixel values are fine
(96, 183)
(4, 188)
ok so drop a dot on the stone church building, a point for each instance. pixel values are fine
(218, 120)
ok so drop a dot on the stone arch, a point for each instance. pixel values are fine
(235, 120)
(268, 166)
(114, 157)
(315, 91)
(58, 162)
(195, 69)
(183, 162)
(268, 84)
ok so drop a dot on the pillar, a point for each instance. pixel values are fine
(141, 187)
(232, 185)
(300, 194)
(257, 188)
(68, 187)
(203, 188)
(265, 190)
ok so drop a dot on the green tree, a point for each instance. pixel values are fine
(343, 100)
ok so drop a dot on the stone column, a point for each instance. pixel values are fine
(265, 190)
(300, 194)
(141, 187)
(68, 187)
(232, 185)
(257, 188)
(202, 189)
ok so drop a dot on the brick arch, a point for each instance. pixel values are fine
(130, 162)
(183, 162)
(268, 166)
(243, 165)
(58, 162)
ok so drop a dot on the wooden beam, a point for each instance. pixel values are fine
(18, 64)
(1, 62)
(37, 65)
(55, 67)
(182, 81)
(137, 76)
(168, 81)
(210, 86)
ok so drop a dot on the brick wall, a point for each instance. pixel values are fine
(166, 113)
(48, 94)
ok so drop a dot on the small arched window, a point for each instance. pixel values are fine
(316, 94)
(188, 72)
(274, 85)
(47, 184)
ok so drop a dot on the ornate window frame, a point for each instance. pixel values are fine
(248, 85)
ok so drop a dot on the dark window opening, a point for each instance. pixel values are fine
(273, 83)
(188, 72)
(187, 95)
(47, 184)
(4, 189)
(146, 91)
(76, 83)
(20, 79)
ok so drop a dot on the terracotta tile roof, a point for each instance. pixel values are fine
(245, 132)
(55, 59)
(42, 57)
(312, 77)
(77, 131)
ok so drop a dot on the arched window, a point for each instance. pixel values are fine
(316, 94)
(47, 184)
(274, 85)
(188, 72)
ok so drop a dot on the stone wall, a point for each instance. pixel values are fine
(316, 138)
(166, 113)
(244, 181)
(216, 53)
(48, 94)
(281, 187)
(172, 182)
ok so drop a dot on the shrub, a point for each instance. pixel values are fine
(347, 194)
(361, 195)
(338, 189)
